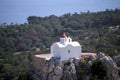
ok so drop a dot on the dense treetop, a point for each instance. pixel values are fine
(96, 32)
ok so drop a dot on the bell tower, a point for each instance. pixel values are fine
(63, 39)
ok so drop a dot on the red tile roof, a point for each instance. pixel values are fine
(63, 36)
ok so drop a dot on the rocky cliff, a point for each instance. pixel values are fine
(101, 67)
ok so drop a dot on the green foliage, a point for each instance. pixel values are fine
(24, 76)
(14, 65)
(96, 32)
(82, 69)
(93, 30)
(98, 70)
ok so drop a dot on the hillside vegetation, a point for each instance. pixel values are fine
(96, 32)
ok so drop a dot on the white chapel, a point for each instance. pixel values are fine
(66, 48)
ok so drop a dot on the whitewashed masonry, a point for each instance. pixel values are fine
(66, 48)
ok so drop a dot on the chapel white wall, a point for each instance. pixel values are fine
(55, 50)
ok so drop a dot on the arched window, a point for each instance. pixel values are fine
(69, 40)
(68, 51)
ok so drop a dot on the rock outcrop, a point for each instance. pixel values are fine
(117, 60)
(111, 67)
(79, 69)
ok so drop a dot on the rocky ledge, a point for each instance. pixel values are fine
(101, 67)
